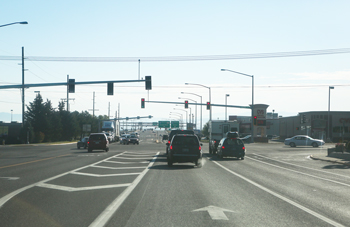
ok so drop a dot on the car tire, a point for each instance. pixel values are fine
(314, 144)
(170, 163)
(89, 150)
(210, 150)
(292, 144)
(242, 158)
(198, 163)
(78, 147)
(107, 149)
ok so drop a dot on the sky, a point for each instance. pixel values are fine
(177, 29)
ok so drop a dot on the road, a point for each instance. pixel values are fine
(131, 185)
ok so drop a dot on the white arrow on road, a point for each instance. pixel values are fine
(10, 178)
(216, 213)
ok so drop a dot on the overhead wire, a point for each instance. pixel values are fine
(184, 58)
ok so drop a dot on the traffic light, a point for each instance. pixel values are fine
(148, 82)
(71, 86)
(110, 87)
(208, 105)
(255, 120)
(186, 104)
(142, 103)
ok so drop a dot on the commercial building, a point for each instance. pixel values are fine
(333, 125)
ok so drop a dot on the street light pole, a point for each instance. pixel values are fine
(186, 115)
(209, 95)
(226, 106)
(252, 76)
(196, 109)
(329, 109)
(22, 22)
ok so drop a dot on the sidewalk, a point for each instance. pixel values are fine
(335, 157)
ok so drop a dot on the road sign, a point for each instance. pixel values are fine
(164, 124)
(175, 124)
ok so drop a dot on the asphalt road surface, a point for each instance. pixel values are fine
(131, 185)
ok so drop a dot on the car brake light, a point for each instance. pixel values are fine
(214, 141)
(200, 148)
(243, 148)
(168, 141)
(171, 147)
(222, 147)
(88, 142)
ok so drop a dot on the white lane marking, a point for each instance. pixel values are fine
(106, 167)
(127, 162)
(138, 155)
(322, 171)
(216, 213)
(72, 189)
(105, 175)
(306, 174)
(323, 218)
(104, 217)
(131, 158)
(9, 196)
(10, 178)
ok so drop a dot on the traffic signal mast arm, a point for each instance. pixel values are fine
(200, 104)
(65, 83)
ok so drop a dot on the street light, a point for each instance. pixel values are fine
(201, 105)
(209, 95)
(252, 126)
(227, 95)
(196, 108)
(329, 109)
(22, 22)
(178, 115)
(186, 115)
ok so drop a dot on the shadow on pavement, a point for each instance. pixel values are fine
(339, 166)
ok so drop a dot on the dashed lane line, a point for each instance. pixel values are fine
(72, 189)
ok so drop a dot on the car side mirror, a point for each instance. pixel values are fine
(201, 144)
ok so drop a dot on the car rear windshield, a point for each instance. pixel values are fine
(97, 137)
(185, 140)
(233, 141)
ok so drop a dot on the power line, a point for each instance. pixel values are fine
(183, 58)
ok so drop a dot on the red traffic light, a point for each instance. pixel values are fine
(142, 103)
(186, 104)
(208, 105)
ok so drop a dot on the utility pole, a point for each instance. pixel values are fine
(109, 109)
(93, 106)
(67, 93)
(22, 86)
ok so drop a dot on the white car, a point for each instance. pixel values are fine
(303, 140)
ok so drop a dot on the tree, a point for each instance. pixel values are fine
(205, 130)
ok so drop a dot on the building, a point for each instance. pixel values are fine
(10, 132)
(316, 125)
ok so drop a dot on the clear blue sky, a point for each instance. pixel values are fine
(179, 28)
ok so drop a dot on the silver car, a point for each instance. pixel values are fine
(303, 140)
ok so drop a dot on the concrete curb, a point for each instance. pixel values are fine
(332, 160)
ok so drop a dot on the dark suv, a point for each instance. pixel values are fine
(184, 148)
(175, 132)
(98, 141)
(233, 147)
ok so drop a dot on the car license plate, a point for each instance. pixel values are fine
(185, 150)
(97, 142)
